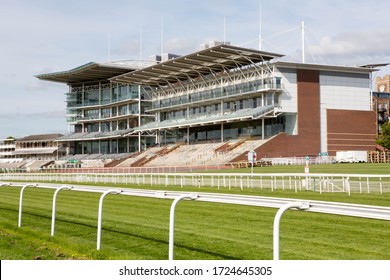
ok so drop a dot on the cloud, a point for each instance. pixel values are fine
(42, 115)
(372, 43)
(35, 86)
(21, 124)
(181, 46)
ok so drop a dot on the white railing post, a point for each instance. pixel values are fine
(53, 215)
(100, 215)
(298, 205)
(172, 221)
(21, 202)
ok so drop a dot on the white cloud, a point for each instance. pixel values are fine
(374, 43)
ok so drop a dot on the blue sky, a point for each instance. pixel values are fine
(43, 36)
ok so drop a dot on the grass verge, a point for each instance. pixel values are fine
(137, 228)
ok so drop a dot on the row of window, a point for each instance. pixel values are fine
(109, 126)
(127, 145)
(103, 95)
(233, 90)
(230, 131)
(104, 113)
(214, 109)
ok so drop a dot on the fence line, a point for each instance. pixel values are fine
(347, 183)
(346, 209)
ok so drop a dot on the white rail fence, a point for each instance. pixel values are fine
(347, 183)
(355, 210)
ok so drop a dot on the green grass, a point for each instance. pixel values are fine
(137, 228)
(342, 168)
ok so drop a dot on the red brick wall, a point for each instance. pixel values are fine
(308, 83)
(307, 142)
(350, 130)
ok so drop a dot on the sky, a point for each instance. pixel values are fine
(45, 36)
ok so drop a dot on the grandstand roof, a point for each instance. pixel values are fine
(215, 59)
(93, 71)
(39, 137)
(324, 67)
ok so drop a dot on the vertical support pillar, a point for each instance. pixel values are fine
(262, 129)
(100, 215)
(172, 221)
(298, 205)
(53, 215)
(222, 133)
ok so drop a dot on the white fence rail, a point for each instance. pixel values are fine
(347, 183)
(363, 211)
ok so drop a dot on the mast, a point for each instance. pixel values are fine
(303, 42)
(260, 30)
(162, 36)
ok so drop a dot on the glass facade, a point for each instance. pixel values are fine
(230, 131)
(103, 109)
(240, 97)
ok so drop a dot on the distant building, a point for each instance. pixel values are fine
(39, 147)
(381, 101)
(7, 148)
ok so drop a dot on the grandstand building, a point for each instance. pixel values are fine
(39, 147)
(7, 148)
(30, 152)
(219, 94)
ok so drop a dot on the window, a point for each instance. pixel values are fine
(122, 93)
(114, 126)
(133, 108)
(114, 94)
(114, 111)
(105, 126)
(122, 110)
(106, 97)
(106, 113)
(91, 114)
(91, 97)
(122, 125)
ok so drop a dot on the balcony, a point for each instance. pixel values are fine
(240, 115)
(73, 102)
(229, 92)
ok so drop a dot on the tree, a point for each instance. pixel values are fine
(384, 137)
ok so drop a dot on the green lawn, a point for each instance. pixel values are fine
(341, 168)
(137, 228)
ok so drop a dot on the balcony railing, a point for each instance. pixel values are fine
(213, 94)
(77, 103)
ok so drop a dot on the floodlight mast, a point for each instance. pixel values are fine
(303, 42)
